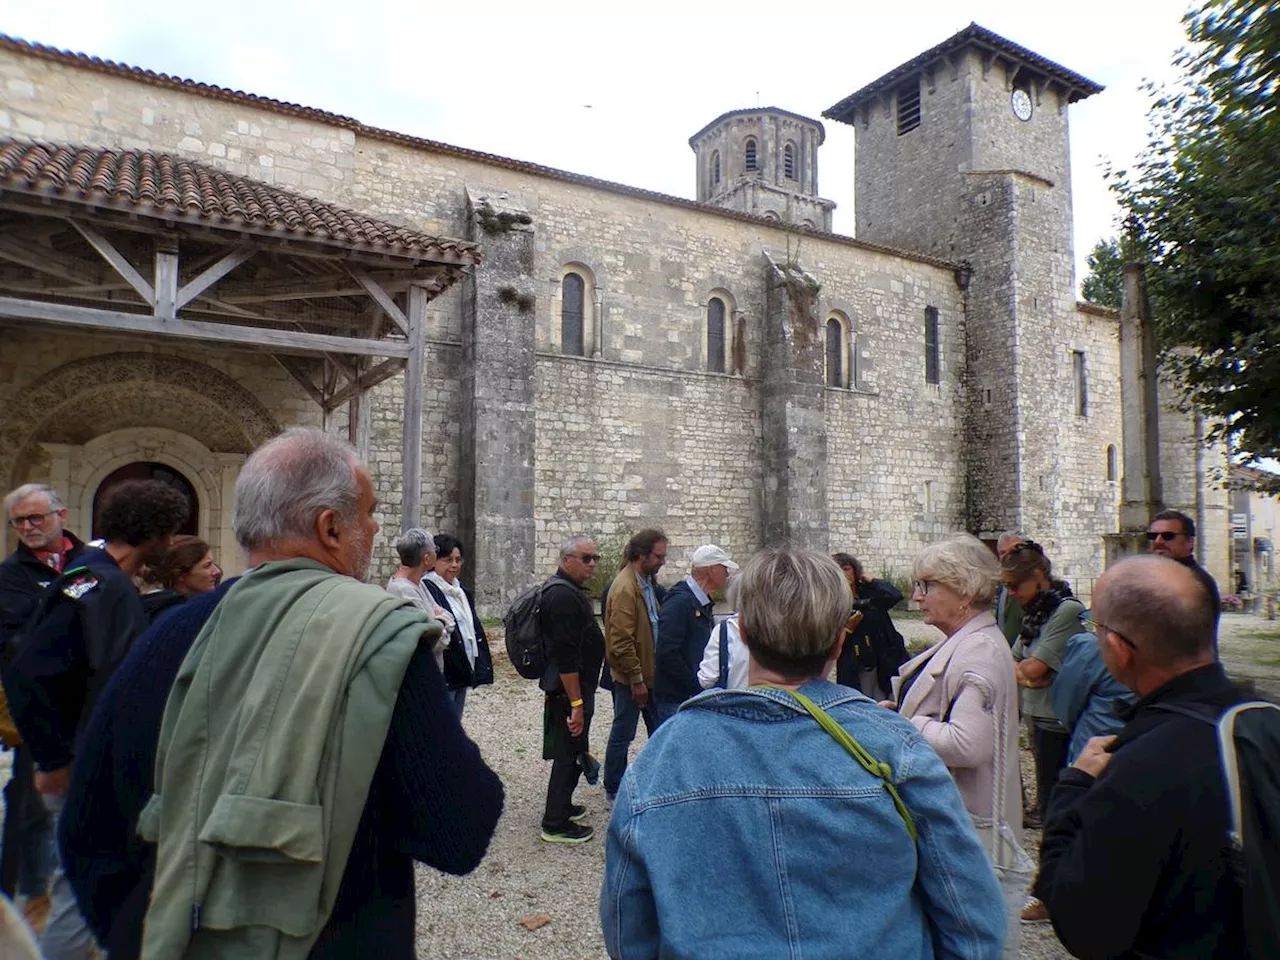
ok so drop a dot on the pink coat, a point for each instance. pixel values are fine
(963, 684)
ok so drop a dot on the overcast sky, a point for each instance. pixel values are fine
(615, 91)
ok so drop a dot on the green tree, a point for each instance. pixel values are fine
(1203, 202)
(1105, 282)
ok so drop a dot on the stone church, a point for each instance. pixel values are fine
(522, 353)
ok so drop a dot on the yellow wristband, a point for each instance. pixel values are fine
(575, 703)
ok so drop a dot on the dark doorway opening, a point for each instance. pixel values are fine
(146, 470)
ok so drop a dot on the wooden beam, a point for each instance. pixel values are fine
(298, 372)
(117, 260)
(382, 299)
(208, 277)
(234, 335)
(411, 476)
(47, 260)
(166, 289)
(370, 378)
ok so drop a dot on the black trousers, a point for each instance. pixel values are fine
(1049, 747)
(563, 751)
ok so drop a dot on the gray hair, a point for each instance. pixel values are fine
(793, 605)
(414, 544)
(573, 543)
(32, 490)
(290, 479)
(1009, 536)
(963, 563)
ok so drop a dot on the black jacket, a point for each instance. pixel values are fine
(22, 579)
(573, 638)
(876, 642)
(458, 672)
(79, 633)
(684, 627)
(158, 601)
(1136, 863)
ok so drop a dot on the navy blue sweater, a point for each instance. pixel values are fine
(432, 799)
(684, 627)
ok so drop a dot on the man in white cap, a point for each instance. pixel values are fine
(684, 626)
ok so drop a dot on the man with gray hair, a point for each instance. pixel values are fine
(575, 653)
(308, 754)
(38, 516)
(1136, 859)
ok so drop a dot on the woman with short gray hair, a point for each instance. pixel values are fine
(797, 764)
(962, 696)
(417, 550)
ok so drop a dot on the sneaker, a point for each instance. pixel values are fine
(577, 813)
(573, 833)
(1034, 911)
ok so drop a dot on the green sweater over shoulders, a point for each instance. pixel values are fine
(267, 749)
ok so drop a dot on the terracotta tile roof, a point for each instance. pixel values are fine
(139, 75)
(1078, 87)
(172, 188)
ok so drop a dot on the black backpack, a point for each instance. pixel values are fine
(523, 633)
(1249, 747)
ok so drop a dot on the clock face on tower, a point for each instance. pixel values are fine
(1021, 102)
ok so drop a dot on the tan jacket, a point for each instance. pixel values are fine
(950, 704)
(628, 635)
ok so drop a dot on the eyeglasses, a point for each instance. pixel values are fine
(587, 557)
(31, 519)
(1097, 628)
(922, 586)
(1165, 535)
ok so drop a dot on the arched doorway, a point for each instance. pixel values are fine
(149, 470)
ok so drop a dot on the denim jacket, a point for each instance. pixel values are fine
(812, 857)
(1087, 699)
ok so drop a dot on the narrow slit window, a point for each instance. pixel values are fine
(715, 168)
(749, 151)
(1113, 469)
(572, 295)
(908, 107)
(789, 161)
(715, 335)
(835, 353)
(1080, 376)
(932, 353)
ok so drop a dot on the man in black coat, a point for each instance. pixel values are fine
(575, 651)
(79, 632)
(1172, 534)
(684, 627)
(38, 516)
(1135, 859)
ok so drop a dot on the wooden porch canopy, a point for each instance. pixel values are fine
(136, 243)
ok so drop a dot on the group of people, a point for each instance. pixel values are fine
(252, 767)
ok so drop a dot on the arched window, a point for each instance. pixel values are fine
(715, 168)
(148, 470)
(789, 161)
(715, 335)
(572, 296)
(1113, 468)
(749, 150)
(835, 353)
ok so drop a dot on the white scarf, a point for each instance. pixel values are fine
(461, 613)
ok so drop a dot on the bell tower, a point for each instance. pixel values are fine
(763, 162)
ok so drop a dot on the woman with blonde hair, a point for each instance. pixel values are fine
(962, 696)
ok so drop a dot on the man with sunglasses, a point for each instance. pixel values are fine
(575, 651)
(1172, 534)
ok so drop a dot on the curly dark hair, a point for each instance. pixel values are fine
(179, 560)
(446, 544)
(136, 511)
(849, 561)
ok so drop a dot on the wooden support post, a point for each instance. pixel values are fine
(166, 305)
(411, 503)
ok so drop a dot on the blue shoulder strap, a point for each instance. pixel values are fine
(724, 655)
